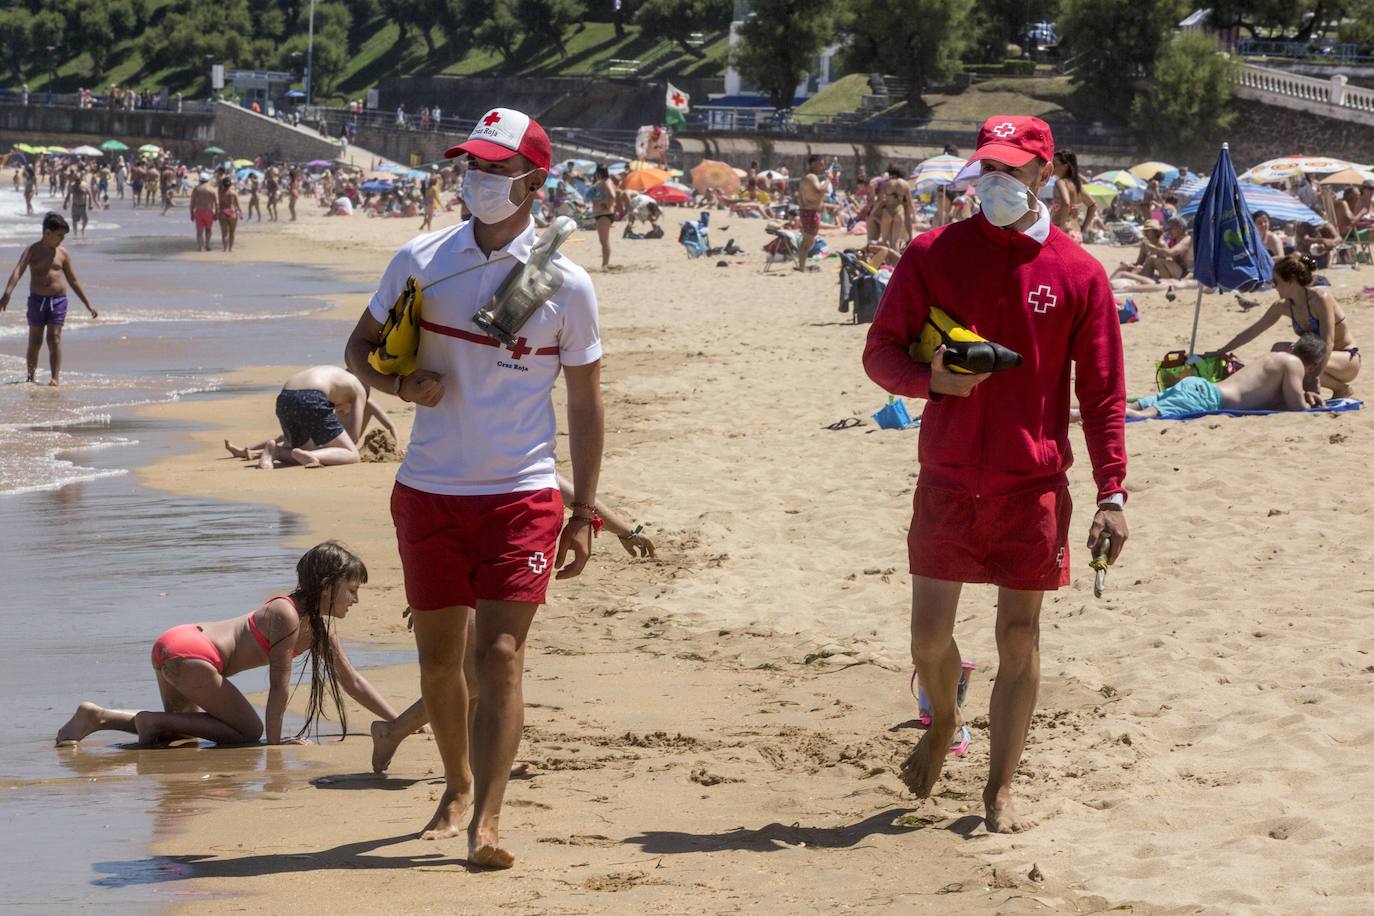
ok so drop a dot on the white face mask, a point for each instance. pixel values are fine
(487, 196)
(1003, 198)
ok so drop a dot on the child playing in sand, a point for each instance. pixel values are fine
(194, 662)
(323, 412)
(50, 272)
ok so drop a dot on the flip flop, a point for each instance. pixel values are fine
(846, 423)
(923, 716)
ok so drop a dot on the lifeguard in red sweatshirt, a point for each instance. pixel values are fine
(992, 501)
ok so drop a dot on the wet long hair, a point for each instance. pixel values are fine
(323, 567)
(1069, 159)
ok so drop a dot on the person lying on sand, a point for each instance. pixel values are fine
(323, 412)
(193, 663)
(1273, 383)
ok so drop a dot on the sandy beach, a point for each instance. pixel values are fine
(719, 729)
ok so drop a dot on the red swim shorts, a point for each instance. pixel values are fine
(1016, 540)
(204, 218)
(811, 221)
(458, 550)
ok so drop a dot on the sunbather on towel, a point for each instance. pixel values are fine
(1273, 383)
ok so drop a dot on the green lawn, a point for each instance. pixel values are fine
(589, 53)
(1039, 98)
(840, 97)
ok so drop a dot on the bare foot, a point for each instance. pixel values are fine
(1000, 814)
(484, 849)
(53, 383)
(235, 450)
(304, 458)
(444, 824)
(1343, 391)
(384, 745)
(922, 766)
(265, 460)
(85, 720)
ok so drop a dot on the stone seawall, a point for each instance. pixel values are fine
(184, 134)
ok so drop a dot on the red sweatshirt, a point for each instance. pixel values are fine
(1050, 303)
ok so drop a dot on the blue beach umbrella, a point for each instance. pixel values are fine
(241, 174)
(377, 186)
(1281, 207)
(1227, 251)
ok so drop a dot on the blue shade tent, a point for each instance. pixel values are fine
(377, 186)
(1227, 251)
(1281, 207)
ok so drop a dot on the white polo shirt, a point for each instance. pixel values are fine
(493, 430)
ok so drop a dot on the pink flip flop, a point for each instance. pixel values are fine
(923, 717)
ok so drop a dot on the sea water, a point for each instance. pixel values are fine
(93, 566)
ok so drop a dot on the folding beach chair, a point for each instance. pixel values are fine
(861, 289)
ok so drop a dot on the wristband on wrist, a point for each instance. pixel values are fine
(594, 520)
(396, 388)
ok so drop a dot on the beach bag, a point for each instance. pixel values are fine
(895, 416)
(1177, 365)
(691, 237)
(1128, 312)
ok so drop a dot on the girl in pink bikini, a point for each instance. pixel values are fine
(194, 662)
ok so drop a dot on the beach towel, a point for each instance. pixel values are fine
(1336, 405)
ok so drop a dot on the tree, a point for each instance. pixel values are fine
(919, 41)
(1113, 45)
(14, 41)
(500, 28)
(547, 20)
(778, 43)
(679, 19)
(94, 34)
(47, 29)
(1187, 107)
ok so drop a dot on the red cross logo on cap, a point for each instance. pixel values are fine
(491, 119)
(1004, 130)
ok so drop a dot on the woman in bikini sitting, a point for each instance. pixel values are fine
(194, 662)
(603, 197)
(230, 212)
(1311, 310)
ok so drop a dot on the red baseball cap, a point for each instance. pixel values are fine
(1014, 140)
(503, 132)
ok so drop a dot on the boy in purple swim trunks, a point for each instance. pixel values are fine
(50, 273)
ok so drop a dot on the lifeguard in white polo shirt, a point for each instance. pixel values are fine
(476, 504)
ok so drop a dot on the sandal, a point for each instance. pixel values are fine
(846, 423)
(923, 716)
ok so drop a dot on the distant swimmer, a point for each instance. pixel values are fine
(79, 200)
(999, 512)
(50, 273)
(204, 210)
(323, 411)
(194, 661)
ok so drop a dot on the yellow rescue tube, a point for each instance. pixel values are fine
(400, 345)
(965, 351)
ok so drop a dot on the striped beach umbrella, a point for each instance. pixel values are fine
(936, 172)
(1191, 187)
(1119, 177)
(1281, 207)
(1291, 167)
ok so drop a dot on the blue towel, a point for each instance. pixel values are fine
(1336, 405)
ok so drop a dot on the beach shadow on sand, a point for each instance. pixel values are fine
(366, 781)
(775, 836)
(160, 869)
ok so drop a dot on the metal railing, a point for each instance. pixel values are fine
(40, 99)
(760, 121)
(1321, 49)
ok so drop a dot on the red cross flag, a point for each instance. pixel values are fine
(675, 114)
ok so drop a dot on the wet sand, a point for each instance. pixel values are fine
(720, 729)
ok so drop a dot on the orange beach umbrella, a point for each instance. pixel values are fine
(644, 179)
(711, 173)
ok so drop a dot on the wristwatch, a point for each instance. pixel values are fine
(1115, 501)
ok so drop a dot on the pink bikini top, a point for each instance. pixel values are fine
(257, 634)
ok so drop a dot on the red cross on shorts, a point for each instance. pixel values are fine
(520, 349)
(491, 119)
(1042, 298)
(678, 99)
